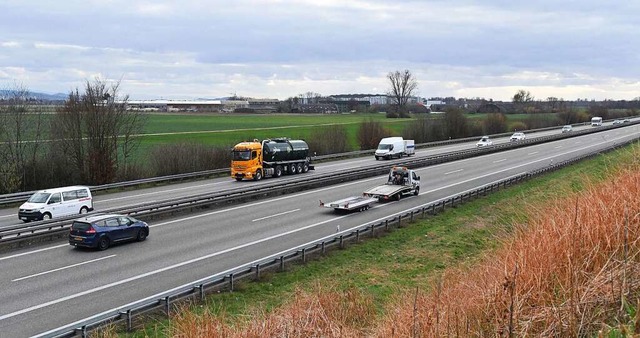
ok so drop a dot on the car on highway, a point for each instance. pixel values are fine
(567, 129)
(484, 141)
(617, 121)
(626, 121)
(517, 137)
(102, 231)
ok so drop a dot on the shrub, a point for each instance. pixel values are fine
(495, 123)
(328, 140)
(518, 125)
(171, 159)
(369, 134)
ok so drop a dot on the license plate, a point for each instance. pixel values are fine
(79, 239)
(24, 218)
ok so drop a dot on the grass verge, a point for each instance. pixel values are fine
(407, 260)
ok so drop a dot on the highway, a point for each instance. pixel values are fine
(9, 216)
(54, 285)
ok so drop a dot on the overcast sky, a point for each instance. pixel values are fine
(277, 49)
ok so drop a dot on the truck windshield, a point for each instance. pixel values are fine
(241, 155)
(385, 146)
(40, 197)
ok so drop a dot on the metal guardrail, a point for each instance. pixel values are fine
(227, 279)
(22, 196)
(20, 233)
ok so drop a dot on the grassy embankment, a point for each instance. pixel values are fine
(555, 256)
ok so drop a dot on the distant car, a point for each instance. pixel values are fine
(617, 121)
(626, 121)
(567, 129)
(484, 141)
(102, 231)
(517, 137)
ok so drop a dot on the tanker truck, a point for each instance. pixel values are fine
(269, 158)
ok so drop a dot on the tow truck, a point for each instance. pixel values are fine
(401, 182)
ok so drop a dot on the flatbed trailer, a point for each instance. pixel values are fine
(401, 182)
(359, 203)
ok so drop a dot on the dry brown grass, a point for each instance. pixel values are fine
(566, 273)
(569, 271)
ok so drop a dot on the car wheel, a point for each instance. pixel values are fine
(142, 235)
(278, 171)
(83, 210)
(377, 158)
(103, 243)
(238, 179)
(417, 191)
(397, 197)
(46, 216)
(292, 169)
(258, 175)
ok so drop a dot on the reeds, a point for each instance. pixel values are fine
(572, 270)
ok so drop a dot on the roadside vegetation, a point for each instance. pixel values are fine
(554, 256)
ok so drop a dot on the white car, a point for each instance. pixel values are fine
(517, 137)
(484, 141)
(567, 128)
(617, 121)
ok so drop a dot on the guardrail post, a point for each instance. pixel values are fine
(83, 331)
(411, 219)
(200, 290)
(167, 306)
(231, 282)
(304, 256)
(386, 224)
(323, 249)
(128, 320)
(357, 235)
(399, 221)
(281, 263)
(373, 233)
(341, 242)
(257, 271)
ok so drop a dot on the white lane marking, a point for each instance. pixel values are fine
(324, 189)
(7, 216)
(453, 172)
(62, 268)
(498, 161)
(157, 192)
(558, 147)
(276, 215)
(34, 251)
(45, 334)
(533, 153)
(177, 265)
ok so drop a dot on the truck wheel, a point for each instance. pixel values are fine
(258, 175)
(292, 169)
(278, 171)
(305, 167)
(299, 168)
(417, 191)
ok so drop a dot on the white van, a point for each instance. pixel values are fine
(390, 147)
(46, 204)
(596, 121)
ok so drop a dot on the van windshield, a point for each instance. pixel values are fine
(39, 197)
(383, 146)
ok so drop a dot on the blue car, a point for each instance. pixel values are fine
(101, 231)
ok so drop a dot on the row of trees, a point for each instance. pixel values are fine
(90, 139)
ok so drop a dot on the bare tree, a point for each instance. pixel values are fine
(403, 86)
(522, 99)
(96, 131)
(20, 138)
